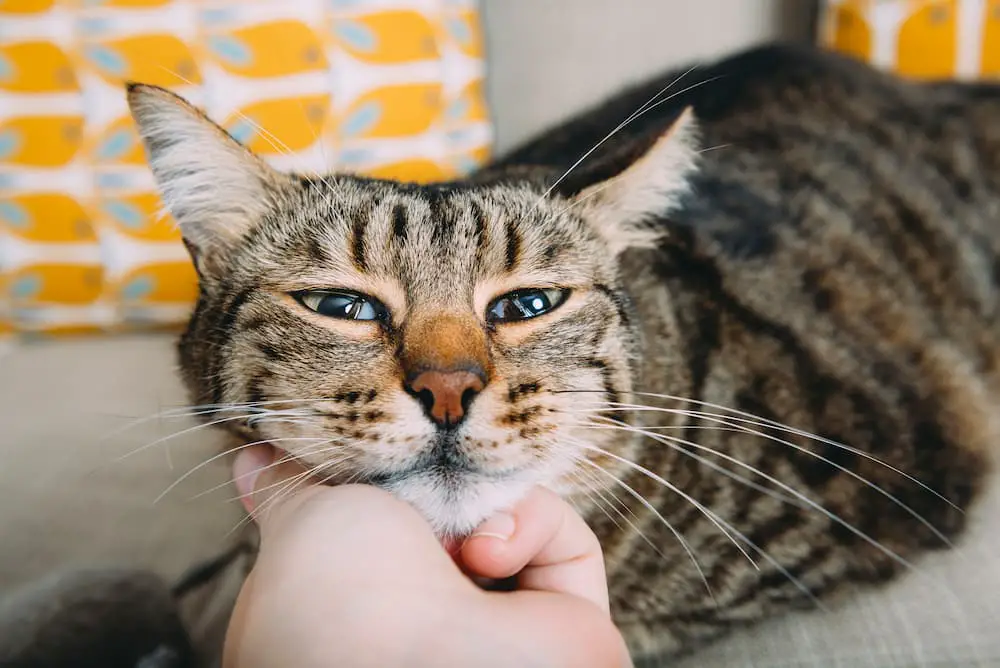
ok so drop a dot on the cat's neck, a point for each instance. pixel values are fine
(662, 367)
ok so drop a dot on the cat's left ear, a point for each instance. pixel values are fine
(623, 207)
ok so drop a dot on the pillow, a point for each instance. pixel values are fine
(389, 88)
(922, 39)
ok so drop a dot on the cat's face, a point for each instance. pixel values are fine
(446, 343)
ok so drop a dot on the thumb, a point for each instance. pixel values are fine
(265, 476)
(546, 544)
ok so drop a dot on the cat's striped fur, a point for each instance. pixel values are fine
(832, 265)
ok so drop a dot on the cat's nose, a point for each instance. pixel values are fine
(446, 395)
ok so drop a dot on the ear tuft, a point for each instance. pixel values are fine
(211, 184)
(623, 207)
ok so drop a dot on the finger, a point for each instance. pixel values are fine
(263, 475)
(572, 633)
(234, 639)
(361, 532)
(275, 489)
(546, 544)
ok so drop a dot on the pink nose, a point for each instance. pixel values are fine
(445, 395)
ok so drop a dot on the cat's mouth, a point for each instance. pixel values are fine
(443, 462)
(449, 489)
(446, 476)
(444, 465)
(446, 472)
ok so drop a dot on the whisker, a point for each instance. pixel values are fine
(224, 453)
(327, 165)
(179, 413)
(256, 126)
(651, 508)
(286, 457)
(589, 489)
(917, 516)
(208, 409)
(674, 442)
(759, 421)
(335, 470)
(289, 487)
(255, 418)
(714, 148)
(335, 464)
(600, 487)
(743, 480)
(672, 487)
(581, 200)
(717, 520)
(172, 436)
(596, 488)
(250, 517)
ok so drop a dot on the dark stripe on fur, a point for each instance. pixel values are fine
(481, 231)
(618, 300)
(358, 230)
(513, 246)
(610, 393)
(225, 331)
(399, 223)
(316, 251)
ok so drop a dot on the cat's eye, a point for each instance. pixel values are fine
(525, 304)
(343, 304)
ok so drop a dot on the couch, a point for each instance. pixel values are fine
(84, 467)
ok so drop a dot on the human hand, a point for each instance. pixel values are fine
(351, 576)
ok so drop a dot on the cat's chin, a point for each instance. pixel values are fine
(455, 505)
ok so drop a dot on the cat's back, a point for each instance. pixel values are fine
(824, 185)
(835, 267)
(776, 96)
(835, 207)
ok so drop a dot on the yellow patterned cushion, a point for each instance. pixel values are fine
(922, 39)
(392, 88)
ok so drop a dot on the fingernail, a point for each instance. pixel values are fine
(247, 466)
(500, 526)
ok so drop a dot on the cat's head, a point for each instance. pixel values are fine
(444, 342)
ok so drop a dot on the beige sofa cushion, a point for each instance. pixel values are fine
(944, 614)
(69, 495)
(69, 503)
(71, 498)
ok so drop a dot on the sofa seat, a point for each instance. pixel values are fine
(73, 498)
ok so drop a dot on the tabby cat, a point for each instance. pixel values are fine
(754, 335)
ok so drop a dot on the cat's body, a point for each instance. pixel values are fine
(833, 266)
(837, 269)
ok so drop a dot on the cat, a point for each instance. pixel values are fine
(746, 317)
(111, 617)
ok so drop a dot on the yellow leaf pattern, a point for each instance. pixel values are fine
(919, 39)
(312, 86)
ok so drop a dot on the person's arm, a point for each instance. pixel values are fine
(350, 576)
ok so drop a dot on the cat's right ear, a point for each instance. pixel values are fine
(212, 185)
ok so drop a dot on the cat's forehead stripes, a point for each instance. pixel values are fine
(439, 242)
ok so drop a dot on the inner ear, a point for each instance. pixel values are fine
(624, 207)
(212, 185)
